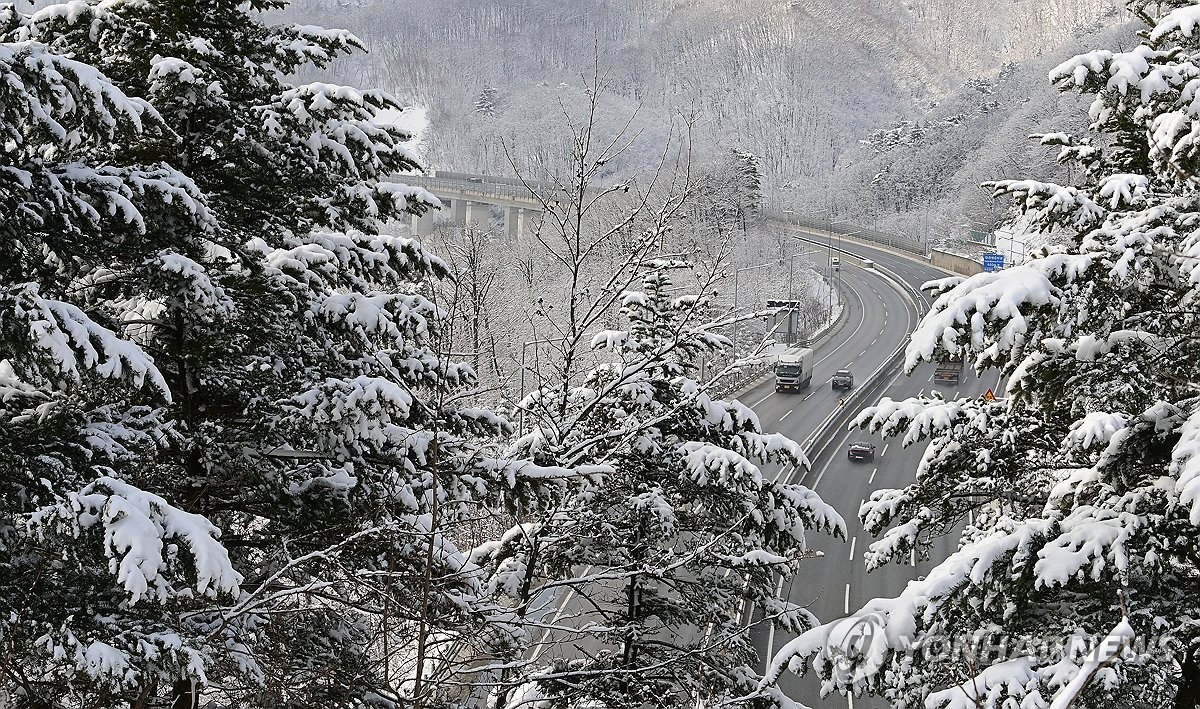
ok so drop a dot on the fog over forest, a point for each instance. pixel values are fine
(888, 114)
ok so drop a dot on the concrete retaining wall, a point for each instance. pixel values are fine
(956, 263)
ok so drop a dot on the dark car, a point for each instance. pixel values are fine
(842, 379)
(861, 451)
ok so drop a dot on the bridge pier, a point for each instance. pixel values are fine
(477, 214)
(468, 199)
(519, 222)
(423, 225)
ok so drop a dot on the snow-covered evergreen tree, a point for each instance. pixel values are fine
(260, 366)
(92, 566)
(1076, 494)
(650, 571)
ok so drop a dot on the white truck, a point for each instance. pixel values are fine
(794, 369)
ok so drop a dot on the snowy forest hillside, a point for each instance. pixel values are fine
(260, 446)
(797, 84)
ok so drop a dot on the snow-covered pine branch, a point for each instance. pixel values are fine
(1077, 482)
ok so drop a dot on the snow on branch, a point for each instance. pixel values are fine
(1016, 677)
(63, 342)
(1089, 543)
(338, 124)
(1181, 20)
(991, 313)
(395, 318)
(55, 94)
(354, 261)
(1185, 464)
(709, 463)
(296, 45)
(920, 418)
(364, 413)
(136, 524)
(1113, 71)
(1047, 204)
(898, 618)
(1104, 654)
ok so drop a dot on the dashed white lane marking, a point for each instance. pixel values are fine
(768, 396)
(872, 478)
(788, 413)
(885, 447)
(956, 394)
(852, 543)
(802, 401)
(860, 354)
(847, 603)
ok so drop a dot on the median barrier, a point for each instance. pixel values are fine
(820, 439)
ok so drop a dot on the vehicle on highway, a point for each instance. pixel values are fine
(861, 450)
(842, 379)
(835, 263)
(793, 370)
(868, 263)
(949, 371)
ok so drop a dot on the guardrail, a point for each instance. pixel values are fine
(482, 185)
(817, 442)
(839, 228)
(752, 375)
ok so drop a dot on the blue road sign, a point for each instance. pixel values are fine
(993, 262)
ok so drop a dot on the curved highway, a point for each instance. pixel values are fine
(879, 320)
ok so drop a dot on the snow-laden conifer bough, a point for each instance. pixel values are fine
(231, 448)
(1080, 484)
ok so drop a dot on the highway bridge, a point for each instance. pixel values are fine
(469, 199)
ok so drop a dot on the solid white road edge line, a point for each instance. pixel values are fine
(862, 317)
(771, 632)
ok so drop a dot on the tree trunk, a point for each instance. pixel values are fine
(185, 695)
(1187, 694)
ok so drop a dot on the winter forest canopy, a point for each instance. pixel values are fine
(264, 447)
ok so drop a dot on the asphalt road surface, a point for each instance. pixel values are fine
(838, 583)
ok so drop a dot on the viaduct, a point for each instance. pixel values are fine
(470, 198)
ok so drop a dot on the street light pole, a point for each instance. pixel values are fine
(738, 322)
(792, 298)
(792, 277)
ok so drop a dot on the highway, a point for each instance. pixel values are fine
(879, 320)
